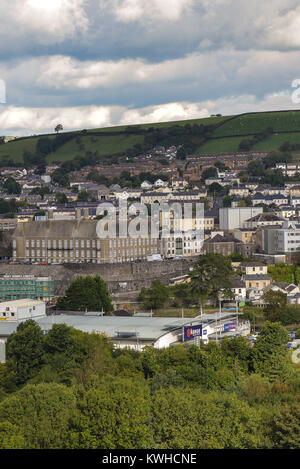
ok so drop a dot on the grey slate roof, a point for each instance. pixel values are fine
(256, 277)
(59, 228)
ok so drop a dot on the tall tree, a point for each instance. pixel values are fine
(115, 413)
(212, 273)
(156, 296)
(275, 301)
(41, 414)
(11, 186)
(86, 293)
(24, 351)
(269, 353)
(58, 128)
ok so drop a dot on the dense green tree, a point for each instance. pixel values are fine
(269, 353)
(256, 168)
(86, 293)
(286, 426)
(275, 301)
(212, 273)
(227, 200)
(33, 159)
(221, 166)
(181, 153)
(60, 177)
(184, 295)
(191, 419)
(115, 413)
(11, 186)
(10, 436)
(156, 296)
(42, 191)
(24, 351)
(83, 196)
(274, 177)
(216, 189)
(40, 415)
(209, 172)
(246, 144)
(61, 198)
(44, 146)
(276, 157)
(8, 207)
(237, 348)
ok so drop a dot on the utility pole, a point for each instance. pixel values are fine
(220, 306)
(182, 317)
(200, 307)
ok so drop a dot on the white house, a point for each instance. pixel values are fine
(146, 185)
(160, 183)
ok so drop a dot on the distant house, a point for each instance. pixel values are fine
(179, 183)
(146, 185)
(114, 187)
(160, 183)
(263, 219)
(255, 275)
(159, 149)
(239, 191)
(221, 244)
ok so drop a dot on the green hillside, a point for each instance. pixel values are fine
(103, 145)
(254, 123)
(205, 136)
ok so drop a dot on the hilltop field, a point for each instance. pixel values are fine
(201, 136)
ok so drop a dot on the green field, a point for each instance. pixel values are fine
(251, 124)
(229, 130)
(203, 121)
(106, 145)
(14, 150)
(222, 145)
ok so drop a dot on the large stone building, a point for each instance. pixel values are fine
(76, 241)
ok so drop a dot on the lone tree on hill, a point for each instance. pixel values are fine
(58, 128)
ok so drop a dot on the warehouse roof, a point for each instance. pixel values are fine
(144, 328)
(23, 303)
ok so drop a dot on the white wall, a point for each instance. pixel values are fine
(2, 351)
(31, 312)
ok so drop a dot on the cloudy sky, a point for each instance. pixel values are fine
(96, 63)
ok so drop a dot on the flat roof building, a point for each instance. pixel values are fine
(19, 310)
(136, 332)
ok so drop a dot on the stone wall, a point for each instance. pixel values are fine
(135, 274)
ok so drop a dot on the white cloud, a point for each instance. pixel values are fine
(27, 121)
(134, 10)
(41, 21)
(31, 120)
(164, 113)
(225, 68)
(285, 30)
